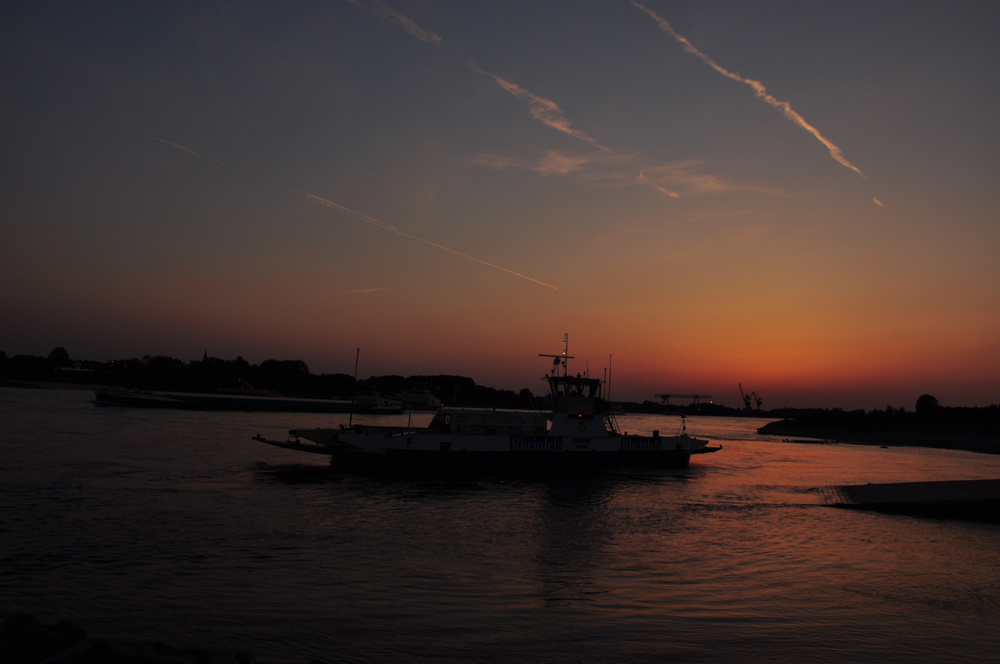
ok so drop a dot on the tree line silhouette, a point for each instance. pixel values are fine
(293, 378)
(285, 377)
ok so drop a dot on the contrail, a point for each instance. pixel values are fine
(188, 150)
(663, 190)
(387, 13)
(878, 202)
(542, 109)
(389, 227)
(757, 86)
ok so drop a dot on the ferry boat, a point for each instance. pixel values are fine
(580, 431)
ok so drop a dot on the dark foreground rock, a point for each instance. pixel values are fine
(24, 639)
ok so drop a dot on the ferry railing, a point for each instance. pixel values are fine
(610, 422)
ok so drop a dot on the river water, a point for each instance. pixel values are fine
(175, 526)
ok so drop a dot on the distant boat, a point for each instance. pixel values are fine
(372, 402)
(419, 400)
(232, 400)
(580, 431)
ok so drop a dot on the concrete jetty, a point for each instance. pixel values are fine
(976, 500)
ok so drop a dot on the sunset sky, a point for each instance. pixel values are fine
(799, 197)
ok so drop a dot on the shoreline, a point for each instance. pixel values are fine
(969, 500)
(953, 437)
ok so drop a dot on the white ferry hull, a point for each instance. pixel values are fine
(398, 450)
(400, 460)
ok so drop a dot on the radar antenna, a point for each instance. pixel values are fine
(561, 359)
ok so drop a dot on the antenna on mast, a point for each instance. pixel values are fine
(561, 359)
(609, 377)
(357, 356)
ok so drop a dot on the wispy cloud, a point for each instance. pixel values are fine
(688, 176)
(757, 87)
(188, 150)
(544, 110)
(556, 163)
(389, 227)
(604, 166)
(387, 13)
(619, 169)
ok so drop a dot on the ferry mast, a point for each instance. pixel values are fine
(561, 359)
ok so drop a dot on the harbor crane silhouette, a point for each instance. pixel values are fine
(747, 398)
